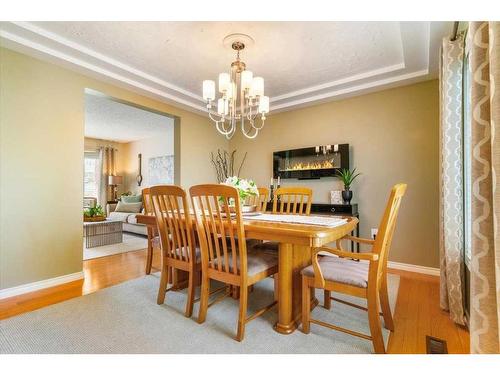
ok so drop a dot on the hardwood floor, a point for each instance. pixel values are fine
(417, 312)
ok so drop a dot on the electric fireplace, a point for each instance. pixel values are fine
(311, 162)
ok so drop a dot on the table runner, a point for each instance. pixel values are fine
(324, 221)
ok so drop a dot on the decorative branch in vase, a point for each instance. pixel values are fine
(347, 177)
(224, 163)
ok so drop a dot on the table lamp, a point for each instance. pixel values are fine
(114, 181)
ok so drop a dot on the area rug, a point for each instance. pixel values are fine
(130, 243)
(126, 319)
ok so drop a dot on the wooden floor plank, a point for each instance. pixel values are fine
(416, 315)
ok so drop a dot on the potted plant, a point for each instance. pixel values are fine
(246, 188)
(347, 176)
(94, 214)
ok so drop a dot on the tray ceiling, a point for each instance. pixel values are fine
(303, 63)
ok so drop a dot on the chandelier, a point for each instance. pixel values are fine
(242, 100)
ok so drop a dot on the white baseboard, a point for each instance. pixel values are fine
(42, 284)
(413, 268)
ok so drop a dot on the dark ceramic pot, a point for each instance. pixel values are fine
(347, 196)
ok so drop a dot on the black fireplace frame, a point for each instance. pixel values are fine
(309, 174)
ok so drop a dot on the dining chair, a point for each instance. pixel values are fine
(260, 201)
(153, 237)
(292, 200)
(368, 279)
(177, 239)
(288, 200)
(224, 253)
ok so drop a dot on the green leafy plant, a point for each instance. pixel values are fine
(347, 176)
(94, 211)
(126, 194)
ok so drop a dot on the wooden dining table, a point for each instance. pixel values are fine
(296, 242)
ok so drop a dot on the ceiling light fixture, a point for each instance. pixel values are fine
(242, 96)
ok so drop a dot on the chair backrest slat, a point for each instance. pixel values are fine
(222, 236)
(147, 203)
(174, 222)
(289, 197)
(388, 224)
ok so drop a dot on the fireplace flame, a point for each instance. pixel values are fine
(326, 164)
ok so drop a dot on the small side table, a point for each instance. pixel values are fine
(100, 233)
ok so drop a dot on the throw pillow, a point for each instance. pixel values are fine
(131, 198)
(133, 208)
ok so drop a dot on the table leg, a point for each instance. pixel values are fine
(292, 259)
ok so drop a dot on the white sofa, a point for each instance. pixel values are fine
(129, 220)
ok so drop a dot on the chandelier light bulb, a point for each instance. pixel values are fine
(231, 91)
(246, 79)
(208, 90)
(221, 106)
(224, 82)
(264, 104)
(257, 86)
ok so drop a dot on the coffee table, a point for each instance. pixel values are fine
(100, 233)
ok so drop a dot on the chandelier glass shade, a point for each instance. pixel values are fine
(242, 101)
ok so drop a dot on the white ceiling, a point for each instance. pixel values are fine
(302, 63)
(114, 121)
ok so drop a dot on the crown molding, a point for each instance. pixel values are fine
(343, 81)
(31, 39)
(36, 41)
(348, 91)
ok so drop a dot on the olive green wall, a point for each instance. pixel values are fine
(393, 136)
(41, 158)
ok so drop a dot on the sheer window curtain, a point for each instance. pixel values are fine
(485, 259)
(451, 180)
(106, 167)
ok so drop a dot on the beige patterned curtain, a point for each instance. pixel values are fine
(107, 166)
(451, 198)
(485, 260)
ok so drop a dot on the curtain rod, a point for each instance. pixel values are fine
(455, 31)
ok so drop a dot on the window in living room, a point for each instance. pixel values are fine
(90, 166)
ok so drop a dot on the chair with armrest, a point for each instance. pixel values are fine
(225, 255)
(366, 279)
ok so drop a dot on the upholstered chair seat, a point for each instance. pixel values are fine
(257, 262)
(341, 270)
(197, 253)
(156, 243)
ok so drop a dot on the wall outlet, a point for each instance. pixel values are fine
(374, 232)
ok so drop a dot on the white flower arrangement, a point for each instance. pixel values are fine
(245, 188)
